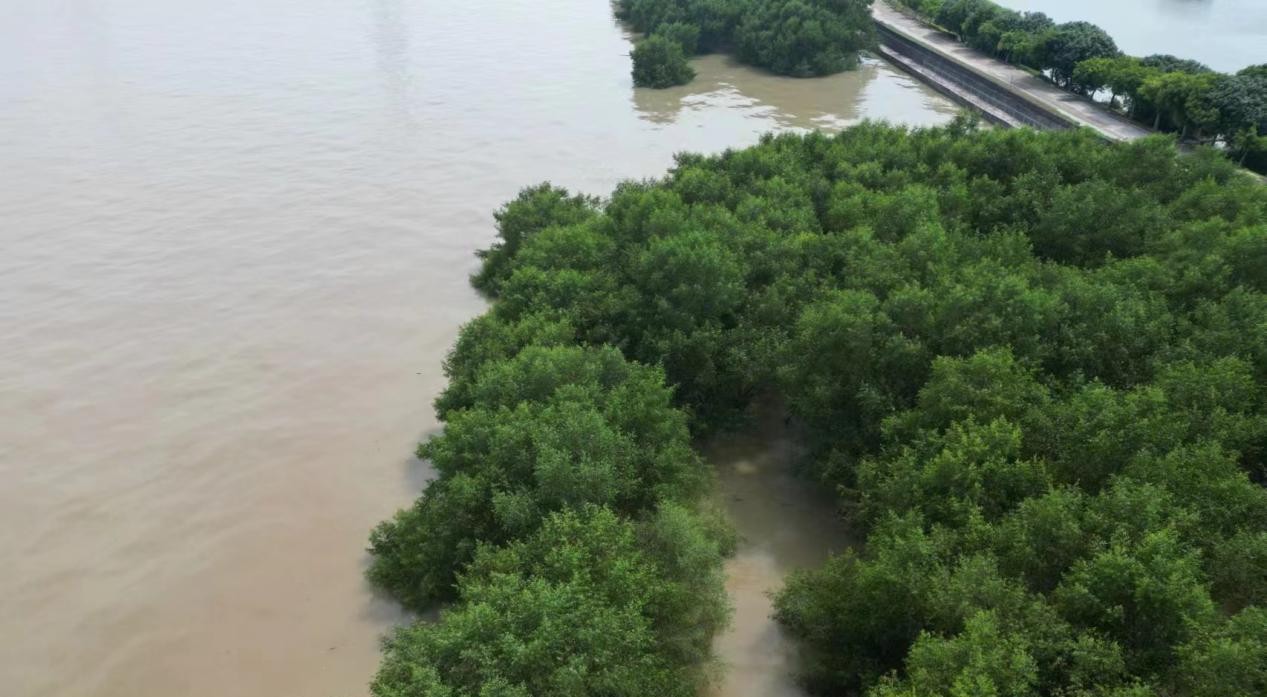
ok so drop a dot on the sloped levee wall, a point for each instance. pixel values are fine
(996, 102)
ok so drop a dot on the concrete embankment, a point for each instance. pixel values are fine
(1004, 93)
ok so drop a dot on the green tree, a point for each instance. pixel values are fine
(1018, 34)
(1228, 660)
(683, 34)
(1241, 101)
(805, 38)
(858, 616)
(570, 610)
(1167, 63)
(800, 38)
(535, 209)
(1121, 75)
(1150, 597)
(963, 16)
(1238, 569)
(660, 62)
(1066, 45)
(830, 371)
(548, 429)
(972, 470)
(1184, 99)
(984, 660)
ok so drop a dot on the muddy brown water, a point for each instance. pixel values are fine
(236, 236)
(783, 523)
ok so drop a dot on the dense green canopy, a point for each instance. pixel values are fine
(660, 62)
(551, 428)
(800, 38)
(1032, 366)
(590, 604)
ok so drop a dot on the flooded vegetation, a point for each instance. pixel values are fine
(797, 38)
(237, 241)
(1047, 435)
(239, 236)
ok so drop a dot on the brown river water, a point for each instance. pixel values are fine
(783, 523)
(236, 236)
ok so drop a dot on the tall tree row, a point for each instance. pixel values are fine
(1165, 92)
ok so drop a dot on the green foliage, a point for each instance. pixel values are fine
(1238, 569)
(535, 209)
(489, 338)
(1147, 596)
(844, 356)
(1121, 75)
(1166, 63)
(804, 38)
(800, 38)
(550, 428)
(1241, 102)
(681, 33)
(1033, 365)
(984, 660)
(972, 470)
(1228, 660)
(690, 603)
(578, 608)
(1184, 99)
(858, 616)
(1029, 38)
(660, 62)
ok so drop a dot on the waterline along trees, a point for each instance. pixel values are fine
(551, 428)
(799, 38)
(1032, 366)
(660, 62)
(591, 603)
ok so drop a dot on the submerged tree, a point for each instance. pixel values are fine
(802, 38)
(660, 62)
(1031, 366)
(799, 38)
(591, 604)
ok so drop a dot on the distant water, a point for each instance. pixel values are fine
(236, 237)
(1224, 34)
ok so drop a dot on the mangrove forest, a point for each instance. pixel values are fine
(797, 38)
(1032, 368)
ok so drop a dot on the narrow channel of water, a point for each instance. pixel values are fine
(236, 238)
(784, 523)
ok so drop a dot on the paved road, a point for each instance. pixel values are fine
(1065, 104)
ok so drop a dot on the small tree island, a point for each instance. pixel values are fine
(660, 62)
(797, 38)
